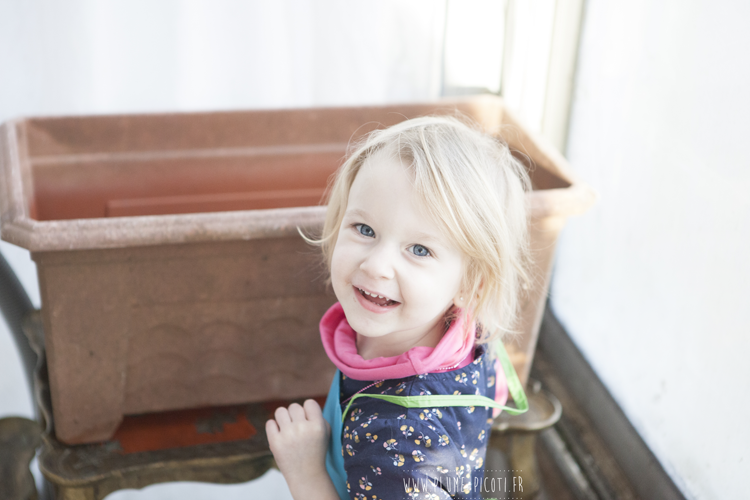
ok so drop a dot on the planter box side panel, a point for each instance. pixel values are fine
(543, 234)
(208, 354)
(175, 326)
(84, 335)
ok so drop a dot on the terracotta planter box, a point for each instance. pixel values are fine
(171, 271)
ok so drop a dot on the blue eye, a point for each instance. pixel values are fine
(420, 251)
(365, 230)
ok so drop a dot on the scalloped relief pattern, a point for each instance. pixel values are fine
(207, 354)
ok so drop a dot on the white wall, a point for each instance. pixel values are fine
(99, 57)
(654, 283)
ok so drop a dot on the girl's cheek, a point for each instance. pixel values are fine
(341, 258)
(339, 252)
(342, 268)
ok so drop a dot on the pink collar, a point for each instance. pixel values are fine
(455, 350)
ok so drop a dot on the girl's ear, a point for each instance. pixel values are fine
(459, 300)
(463, 297)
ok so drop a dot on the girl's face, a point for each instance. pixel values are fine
(393, 270)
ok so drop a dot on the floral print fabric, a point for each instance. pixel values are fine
(391, 452)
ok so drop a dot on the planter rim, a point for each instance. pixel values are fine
(150, 230)
(17, 227)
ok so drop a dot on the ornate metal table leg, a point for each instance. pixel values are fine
(515, 437)
(19, 439)
(67, 493)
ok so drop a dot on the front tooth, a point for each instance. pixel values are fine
(380, 297)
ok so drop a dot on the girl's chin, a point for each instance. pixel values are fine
(365, 328)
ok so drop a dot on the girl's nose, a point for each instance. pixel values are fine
(378, 263)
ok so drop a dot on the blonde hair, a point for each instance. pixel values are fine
(474, 188)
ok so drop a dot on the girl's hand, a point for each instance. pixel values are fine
(298, 437)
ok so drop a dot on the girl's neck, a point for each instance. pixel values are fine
(388, 346)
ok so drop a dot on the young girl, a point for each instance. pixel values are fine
(425, 239)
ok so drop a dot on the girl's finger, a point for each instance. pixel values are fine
(296, 412)
(312, 410)
(282, 417)
(272, 428)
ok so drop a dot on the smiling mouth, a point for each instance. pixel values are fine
(377, 299)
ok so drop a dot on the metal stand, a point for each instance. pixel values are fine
(19, 439)
(92, 471)
(511, 457)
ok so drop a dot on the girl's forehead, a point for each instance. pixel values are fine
(388, 157)
(383, 192)
(381, 177)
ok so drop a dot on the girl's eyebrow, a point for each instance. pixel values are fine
(355, 212)
(423, 237)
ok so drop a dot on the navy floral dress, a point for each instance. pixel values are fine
(391, 452)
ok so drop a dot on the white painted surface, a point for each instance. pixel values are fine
(474, 33)
(528, 44)
(101, 57)
(540, 50)
(654, 283)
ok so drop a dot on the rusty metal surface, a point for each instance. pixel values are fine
(515, 437)
(544, 411)
(19, 438)
(15, 305)
(102, 468)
